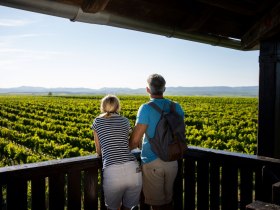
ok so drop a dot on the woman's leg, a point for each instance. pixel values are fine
(133, 190)
(113, 187)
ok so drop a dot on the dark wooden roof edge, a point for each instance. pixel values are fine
(100, 12)
(76, 13)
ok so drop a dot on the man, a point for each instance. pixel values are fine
(158, 176)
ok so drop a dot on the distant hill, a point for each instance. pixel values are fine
(186, 91)
(214, 91)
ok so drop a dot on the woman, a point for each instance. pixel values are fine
(122, 176)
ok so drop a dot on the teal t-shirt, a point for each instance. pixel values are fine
(149, 116)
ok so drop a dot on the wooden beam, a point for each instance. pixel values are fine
(263, 29)
(232, 6)
(94, 6)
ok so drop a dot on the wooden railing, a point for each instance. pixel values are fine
(207, 179)
(53, 185)
(214, 179)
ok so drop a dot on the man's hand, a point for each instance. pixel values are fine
(136, 136)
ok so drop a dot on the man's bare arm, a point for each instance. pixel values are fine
(136, 136)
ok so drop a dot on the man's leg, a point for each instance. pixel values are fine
(153, 183)
(170, 170)
(163, 207)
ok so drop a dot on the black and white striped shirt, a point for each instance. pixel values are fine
(113, 138)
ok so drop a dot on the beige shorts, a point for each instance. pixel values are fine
(158, 180)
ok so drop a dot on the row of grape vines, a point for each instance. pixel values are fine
(38, 128)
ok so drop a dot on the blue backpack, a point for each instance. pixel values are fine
(169, 141)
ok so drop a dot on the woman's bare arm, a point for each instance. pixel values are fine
(97, 144)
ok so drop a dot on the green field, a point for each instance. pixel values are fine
(38, 128)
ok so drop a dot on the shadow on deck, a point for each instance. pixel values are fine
(207, 179)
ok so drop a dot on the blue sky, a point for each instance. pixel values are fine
(46, 51)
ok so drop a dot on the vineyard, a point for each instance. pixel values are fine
(38, 128)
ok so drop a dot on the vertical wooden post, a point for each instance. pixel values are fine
(178, 187)
(91, 189)
(202, 184)
(56, 191)
(269, 99)
(74, 190)
(38, 193)
(190, 184)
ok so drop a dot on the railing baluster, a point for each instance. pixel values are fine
(202, 184)
(91, 189)
(16, 194)
(214, 186)
(56, 191)
(178, 187)
(229, 187)
(189, 199)
(246, 187)
(38, 192)
(74, 190)
(258, 184)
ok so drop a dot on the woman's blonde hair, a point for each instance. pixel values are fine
(109, 104)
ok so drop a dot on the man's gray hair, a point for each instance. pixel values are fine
(156, 84)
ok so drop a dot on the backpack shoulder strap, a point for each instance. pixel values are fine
(172, 107)
(156, 107)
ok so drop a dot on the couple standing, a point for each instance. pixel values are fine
(121, 172)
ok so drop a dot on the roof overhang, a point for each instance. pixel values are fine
(238, 25)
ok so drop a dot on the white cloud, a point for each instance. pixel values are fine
(23, 54)
(10, 39)
(13, 22)
(19, 36)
